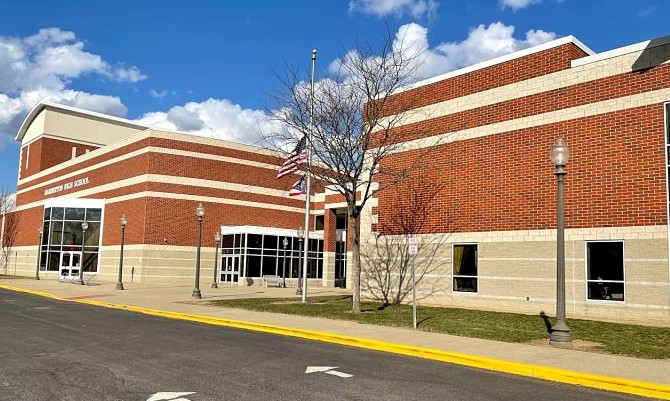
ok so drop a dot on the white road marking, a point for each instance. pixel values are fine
(328, 370)
(172, 396)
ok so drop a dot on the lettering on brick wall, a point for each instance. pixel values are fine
(66, 186)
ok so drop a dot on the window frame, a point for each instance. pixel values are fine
(454, 276)
(587, 281)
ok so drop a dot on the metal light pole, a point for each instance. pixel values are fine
(124, 221)
(217, 245)
(300, 233)
(413, 249)
(84, 227)
(199, 212)
(39, 254)
(283, 269)
(560, 332)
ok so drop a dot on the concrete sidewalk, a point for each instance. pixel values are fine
(611, 372)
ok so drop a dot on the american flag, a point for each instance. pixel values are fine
(298, 188)
(296, 157)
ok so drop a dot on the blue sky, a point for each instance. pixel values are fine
(205, 66)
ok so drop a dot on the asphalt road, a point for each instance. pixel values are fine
(56, 350)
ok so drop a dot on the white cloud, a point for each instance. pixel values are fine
(158, 95)
(487, 42)
(14, 109)
(35, 57)
(397, 8)
(483, 43)
(215, 118)
(647, 11)
(122, 74)
(49, 59)
(517, 4)
(40, 67)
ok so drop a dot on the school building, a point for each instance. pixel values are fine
(488, 225)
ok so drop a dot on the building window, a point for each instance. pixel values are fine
(341, 263)
(465, 267)
(605, 270)
(264, 254)
(319, 222)
(62, 247)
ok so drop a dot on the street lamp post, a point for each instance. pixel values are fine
(300, 233)
(84, 227)
(124, 221)
(39, 254)
(283, 269)
(199, 212)
(217, 245)
(560, 332)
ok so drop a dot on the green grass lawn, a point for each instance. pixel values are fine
(625, 339)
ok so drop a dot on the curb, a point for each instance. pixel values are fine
(627, 386)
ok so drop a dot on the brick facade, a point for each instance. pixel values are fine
(48, 152)
(160, 216)
(483, 137)
(616, 176)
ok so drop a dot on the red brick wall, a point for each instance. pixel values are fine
(29, 222)
(153, 220)
(48, 152)
(329, 231)
(175, 220)
(31, 154)
(94, 160)
(56, 151)
(104, 175)
(134, 210)
(520, 69)
(616, 176)
(571, 96)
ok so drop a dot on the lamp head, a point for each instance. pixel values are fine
(300, 232)
(124, 221)
(285, 242)
(560, 153)
(200, 210)
(84, 226)
(217, 238)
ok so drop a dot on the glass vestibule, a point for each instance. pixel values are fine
(263, 254)
(63, 249)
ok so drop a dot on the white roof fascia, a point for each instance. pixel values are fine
(279, 232)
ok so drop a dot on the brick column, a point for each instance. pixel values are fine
(329, 242)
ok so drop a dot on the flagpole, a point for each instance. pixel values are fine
(309, 179)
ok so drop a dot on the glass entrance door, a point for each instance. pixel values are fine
(230, 269)
(70, 263)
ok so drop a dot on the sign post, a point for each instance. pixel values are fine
(412, 251)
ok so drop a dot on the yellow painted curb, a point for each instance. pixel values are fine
(619, 385)
(40, 293)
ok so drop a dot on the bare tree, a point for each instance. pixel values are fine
(10, 223)
(356, 119)
(387, 273)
